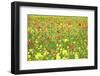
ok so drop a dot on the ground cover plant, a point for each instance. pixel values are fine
(57, 37)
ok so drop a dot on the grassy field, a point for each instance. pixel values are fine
(57, 37)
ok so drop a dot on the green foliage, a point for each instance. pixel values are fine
(57, 37)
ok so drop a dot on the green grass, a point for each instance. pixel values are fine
(57, 37)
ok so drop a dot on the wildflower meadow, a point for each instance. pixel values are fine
(57, 37)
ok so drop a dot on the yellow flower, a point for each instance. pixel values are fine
(60, 45)
(58, 56)
(67, 47)
(29, 56)
(64, 58)
(30, 30)
(61, 49)
(57, 45)
(30, 50)
(38, 56)
(44, 48)
(61, 23)
(37, 47)
(65, 40)
(45, 53)
(76, 56)
(40, 46)
(29, 59)
(38, 37)
(57, 48)
(74, 42)
(36, 41)
(64, 52)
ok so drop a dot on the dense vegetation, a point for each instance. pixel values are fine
(57, 37)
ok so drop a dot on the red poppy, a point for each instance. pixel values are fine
(83, 25)
(30, 42)
(71, 47)
(58, 37)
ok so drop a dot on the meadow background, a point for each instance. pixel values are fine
(57, 37)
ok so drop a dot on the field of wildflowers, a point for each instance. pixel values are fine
(57, 37)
